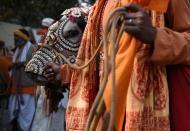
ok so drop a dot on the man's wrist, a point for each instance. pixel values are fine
(153, 36)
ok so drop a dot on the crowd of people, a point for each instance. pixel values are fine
(46, 93)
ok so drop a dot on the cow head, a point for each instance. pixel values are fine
(63, 37)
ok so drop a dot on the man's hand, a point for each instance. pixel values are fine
(52, 73)
(138, 23)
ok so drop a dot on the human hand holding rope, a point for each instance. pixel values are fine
(134, 20)
(138, 23)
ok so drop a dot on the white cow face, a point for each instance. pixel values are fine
(72, 32)
(63, 37)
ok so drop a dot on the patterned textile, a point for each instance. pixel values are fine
(146, 100)
(148, 88)
(56, 44)
(82, 87)
(126, 66)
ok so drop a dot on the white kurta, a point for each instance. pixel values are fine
(22, 107)
(52, 122)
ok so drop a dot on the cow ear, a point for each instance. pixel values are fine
(54, 27)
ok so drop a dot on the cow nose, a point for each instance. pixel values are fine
(40, 80)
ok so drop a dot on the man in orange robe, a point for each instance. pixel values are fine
(169, 47)
(172, 48)
(85, 83)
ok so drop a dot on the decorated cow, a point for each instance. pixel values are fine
(63, 38)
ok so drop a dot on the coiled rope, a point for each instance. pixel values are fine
(98, 108)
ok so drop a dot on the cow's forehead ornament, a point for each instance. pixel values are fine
(56, 43)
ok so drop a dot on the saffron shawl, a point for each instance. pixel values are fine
(141, 87)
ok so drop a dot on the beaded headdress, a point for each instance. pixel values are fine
(56, 43)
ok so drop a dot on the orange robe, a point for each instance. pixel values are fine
(125, 59)
(5, 62)
(83, 82)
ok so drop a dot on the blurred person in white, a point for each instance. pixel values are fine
(21, 87)
(42, 31)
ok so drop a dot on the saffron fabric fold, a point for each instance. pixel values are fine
(139, 101)
(125, 58)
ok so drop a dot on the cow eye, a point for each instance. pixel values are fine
(71, 33)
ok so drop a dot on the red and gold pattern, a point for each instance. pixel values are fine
(146, 121)
(146, 101)
(76, 118)
(148, 78)
(82, 87)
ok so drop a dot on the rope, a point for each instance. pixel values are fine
(98, 107)
(111, 26)
(75, 66)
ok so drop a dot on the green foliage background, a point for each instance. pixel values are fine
(31, 12)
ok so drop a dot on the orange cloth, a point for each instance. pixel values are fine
(66, 73)
(124, 61)
(28, 90)
(83, 82)
(12, 89)
(5, 62)
(158, 5)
